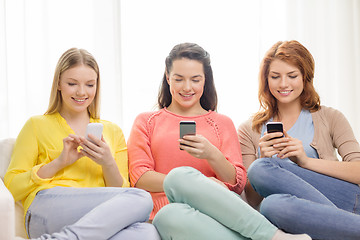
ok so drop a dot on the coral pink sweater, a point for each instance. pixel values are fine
(153, 146)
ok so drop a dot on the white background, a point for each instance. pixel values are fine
(131, 38)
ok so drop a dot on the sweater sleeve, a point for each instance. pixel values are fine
(247, 143)
(139, 151)
(21, 177)
(121, 156)
(343, 136)
(230, 148)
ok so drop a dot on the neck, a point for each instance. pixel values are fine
(82, 117)
(193, 111)
(288, 111)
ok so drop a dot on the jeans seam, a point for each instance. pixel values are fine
(28, 218)
(357, 198)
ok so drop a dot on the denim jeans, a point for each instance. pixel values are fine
(90, 213)
(298, 200)
(202, 209)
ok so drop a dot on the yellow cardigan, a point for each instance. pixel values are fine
(41, 141)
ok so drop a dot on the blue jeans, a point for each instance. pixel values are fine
(90, 213)
(202, 209)
(298, 200)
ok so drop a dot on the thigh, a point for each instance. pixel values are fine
(180, 221)
(54, 208)
(188, 186)
(296, 215)
(343, 194)
(138, 231)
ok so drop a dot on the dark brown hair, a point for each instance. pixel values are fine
(190, 51)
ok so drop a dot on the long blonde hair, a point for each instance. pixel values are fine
(72, 58)
(291, 52)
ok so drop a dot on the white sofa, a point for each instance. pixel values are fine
(11, 213)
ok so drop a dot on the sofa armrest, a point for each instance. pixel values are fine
(7, 213)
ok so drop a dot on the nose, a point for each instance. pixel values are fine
(80, 91)
(187, 85)
(284, 82)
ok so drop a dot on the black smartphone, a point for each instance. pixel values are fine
(274, 127)
(187, 128)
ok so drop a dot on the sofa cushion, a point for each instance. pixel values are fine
(6, 147)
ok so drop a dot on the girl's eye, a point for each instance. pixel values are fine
(71, 84)
(90, 85)
(178, 80)
(274, 77)
(196, 80)
(295, 76)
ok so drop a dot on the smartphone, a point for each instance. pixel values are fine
(187, 128)
(94, 129)
(274, 127)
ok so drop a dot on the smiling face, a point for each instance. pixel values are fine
(186, 80)
(78, 88)
(285, 83)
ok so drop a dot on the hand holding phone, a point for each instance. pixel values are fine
(94, 129)
(187, 128)
(274, 127)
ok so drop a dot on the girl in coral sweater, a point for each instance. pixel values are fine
(199, 193)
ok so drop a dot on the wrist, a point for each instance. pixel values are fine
(214, 155)
(109, 164)
(304, 162)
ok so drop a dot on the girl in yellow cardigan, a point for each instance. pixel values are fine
(73, 188)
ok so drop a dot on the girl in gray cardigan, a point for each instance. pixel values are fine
(304, 186)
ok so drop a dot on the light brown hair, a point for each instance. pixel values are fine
(293, 53)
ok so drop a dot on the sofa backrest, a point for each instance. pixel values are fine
(6, 147)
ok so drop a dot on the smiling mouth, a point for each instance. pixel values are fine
(285, 92)
(80, 100)
(187, 95)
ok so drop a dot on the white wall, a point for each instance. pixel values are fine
(131, 38)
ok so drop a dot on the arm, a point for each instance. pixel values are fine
(151, 181)
(68, 156)
(141, 162)
(249, 144)
(100, 152)
(199, 147)
(347, 171)
(341, 137)
(20, 177)
(226, 160)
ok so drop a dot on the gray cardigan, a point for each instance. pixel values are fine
(331, 131)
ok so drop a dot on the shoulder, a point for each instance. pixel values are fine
(148, 117)
(109, 125)
(328, 114)
(246, 125)
(41, 120)
(245, 130)
(220, 118)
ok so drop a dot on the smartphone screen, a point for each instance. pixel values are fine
(274, 127)
(94, 129)
(187, 128)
